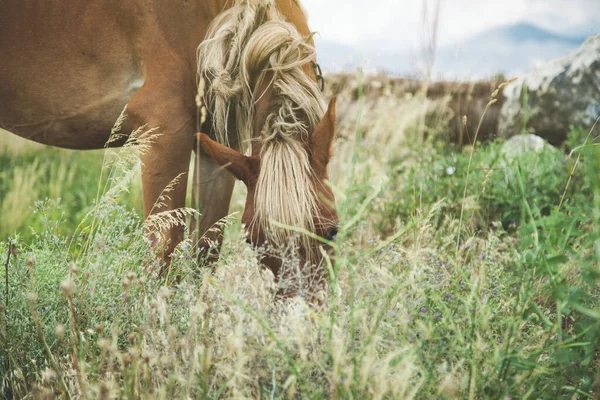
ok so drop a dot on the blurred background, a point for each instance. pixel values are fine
(460, 39)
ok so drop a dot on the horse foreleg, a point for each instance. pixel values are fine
(212, 189)
(166, 139)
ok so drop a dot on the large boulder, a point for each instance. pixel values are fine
(561, 93)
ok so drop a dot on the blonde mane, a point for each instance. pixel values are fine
(248, 48)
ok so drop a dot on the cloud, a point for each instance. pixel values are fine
(395, 25)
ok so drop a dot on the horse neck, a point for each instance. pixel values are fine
(294, 14)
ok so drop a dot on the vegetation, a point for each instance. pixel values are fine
(459, 273)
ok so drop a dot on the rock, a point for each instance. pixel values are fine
(519, 145)
(562, 93)
(531, 159)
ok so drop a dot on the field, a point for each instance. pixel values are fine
(461, 272)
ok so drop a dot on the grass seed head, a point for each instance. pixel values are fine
(30, 261)
(73, 268)
(59, 331)
(66, 287)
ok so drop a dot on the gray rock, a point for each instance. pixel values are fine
(562, 93)
(519, 145)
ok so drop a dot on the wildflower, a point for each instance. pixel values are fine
(438, 316)
(424, 310)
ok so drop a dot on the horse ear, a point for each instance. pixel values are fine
(323, 135)
(242, 167)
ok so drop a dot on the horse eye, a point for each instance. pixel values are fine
(332, 234)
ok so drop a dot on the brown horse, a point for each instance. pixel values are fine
(69, 68)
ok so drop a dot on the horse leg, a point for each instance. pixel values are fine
(212, 189)
(167, 129)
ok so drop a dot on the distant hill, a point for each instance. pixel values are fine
(510, 50)
(525, 32)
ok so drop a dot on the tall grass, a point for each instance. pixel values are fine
(31, 173)
(512, 314)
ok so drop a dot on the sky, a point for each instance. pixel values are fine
(397, 26)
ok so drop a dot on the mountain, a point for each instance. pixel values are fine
(510, 50)
(526, 32)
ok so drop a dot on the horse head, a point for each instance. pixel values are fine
(289, 212)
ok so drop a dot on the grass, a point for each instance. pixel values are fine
(32, 173)
(511, 312)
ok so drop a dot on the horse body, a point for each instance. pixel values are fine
(69, 68)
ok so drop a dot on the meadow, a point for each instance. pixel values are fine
(461, 272)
